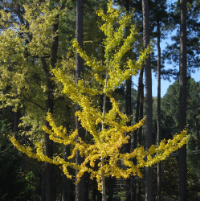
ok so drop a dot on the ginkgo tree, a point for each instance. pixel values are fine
(108, 74)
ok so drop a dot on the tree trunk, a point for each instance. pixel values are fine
(198, 136)
(103, 181)
(80, 187)
(182, 101)
(139, 116)
(16, 124)
(135, 185)
(49, 168)
(65, 181)
(148, 102)
(141, 105)
(158, 105)
(49, 103)
(128, 113)
(127, 146)
(139, 109)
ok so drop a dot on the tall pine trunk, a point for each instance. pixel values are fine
(158, 104)
(182, 101)
(80, 187)
(148, 102)
(136, 195)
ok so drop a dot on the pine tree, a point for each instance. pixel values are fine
(182, 100)
(148, 102)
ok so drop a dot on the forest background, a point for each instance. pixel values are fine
(24, 88)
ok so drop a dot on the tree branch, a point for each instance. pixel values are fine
(32, 102)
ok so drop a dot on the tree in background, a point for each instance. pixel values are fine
(80, 186)
(148, 101)
(33, 41)
(17, 182)
(159, 18)
(182, 100)
(169, 124)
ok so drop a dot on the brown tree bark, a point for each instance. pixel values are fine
(158, 104)
(182, 101)
(137, 138)
(80, 187)
(198, 136)
(128, 113)
(141, 106)
(148, 102)
(16, 123)
(49, 191)
(65, 181)
(127, 146)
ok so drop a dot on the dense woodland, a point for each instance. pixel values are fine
(45, 72)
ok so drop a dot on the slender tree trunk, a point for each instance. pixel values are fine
(128, 113)
(182, 102)
(141, 105)
(140, 137)
(80, 187)
(158, 105)
(49, 103)
(94, 191)
(103, 181)
(49, 168)
(127, 146)
(148, 102)
(139, 116)
(16, 124)
(65, 181)
(198, 136)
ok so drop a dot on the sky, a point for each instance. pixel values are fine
(165, 83)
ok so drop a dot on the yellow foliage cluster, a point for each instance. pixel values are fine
(105, 147)
(22, 79)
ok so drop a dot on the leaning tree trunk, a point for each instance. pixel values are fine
(182, 102)
(80, 187)
(158, 105)
(148, 102)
